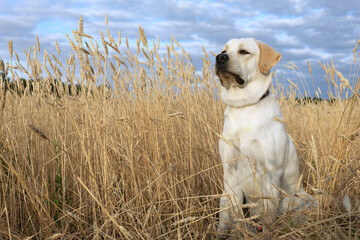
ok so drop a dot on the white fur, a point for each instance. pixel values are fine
(261, 158)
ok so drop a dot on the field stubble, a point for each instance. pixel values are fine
(139, 159)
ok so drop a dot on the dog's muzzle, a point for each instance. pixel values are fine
(221, 66)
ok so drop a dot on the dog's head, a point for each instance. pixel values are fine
(243, 60)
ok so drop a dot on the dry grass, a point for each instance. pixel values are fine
(140, 160)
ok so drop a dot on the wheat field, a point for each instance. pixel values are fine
(131, 152)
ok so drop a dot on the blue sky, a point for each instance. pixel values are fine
(301, 30)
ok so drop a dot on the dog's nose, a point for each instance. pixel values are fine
(222, 58)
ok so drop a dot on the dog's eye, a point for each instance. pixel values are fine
(243, 51)
(223, 52)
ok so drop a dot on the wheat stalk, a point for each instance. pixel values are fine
(81, 25)
(37, 44)
(11, 48)
(142, 36)
(309, 67)
(38, 131)
(2, 65)
(57, 47)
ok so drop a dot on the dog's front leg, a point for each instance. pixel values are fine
(230, 203)
(271, 194)
(225, 217)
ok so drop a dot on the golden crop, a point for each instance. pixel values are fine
(133, 152)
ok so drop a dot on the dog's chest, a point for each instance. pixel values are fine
(240, 124)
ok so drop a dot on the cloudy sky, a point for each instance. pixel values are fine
(300, 29)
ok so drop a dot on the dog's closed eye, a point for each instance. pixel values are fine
(243, 52)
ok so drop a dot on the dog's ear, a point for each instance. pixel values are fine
(268, 57)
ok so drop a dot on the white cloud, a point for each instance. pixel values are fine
(284, 39)
(298, 29)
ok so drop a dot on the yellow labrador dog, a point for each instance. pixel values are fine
(260, 163)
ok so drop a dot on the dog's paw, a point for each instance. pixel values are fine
(222, 234)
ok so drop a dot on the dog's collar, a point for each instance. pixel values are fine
(240, 98)
(265, 95)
